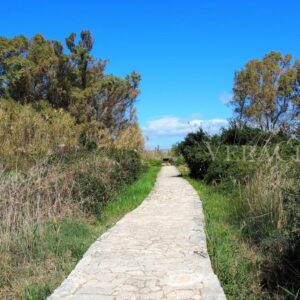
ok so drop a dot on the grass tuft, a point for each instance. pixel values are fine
(233, 260)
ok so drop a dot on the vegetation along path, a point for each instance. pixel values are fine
(158, 251)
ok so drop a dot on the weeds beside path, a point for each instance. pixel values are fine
(234, 262)
(63, 243)
(157, 251)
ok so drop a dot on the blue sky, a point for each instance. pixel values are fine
(186, 51)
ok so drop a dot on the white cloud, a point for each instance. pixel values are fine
(225, 98)
(161, 131)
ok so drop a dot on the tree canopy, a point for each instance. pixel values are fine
(38, 71)
(267, 93)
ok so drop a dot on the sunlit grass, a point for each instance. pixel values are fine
(54, 251)
(234, 261)
(129, 197)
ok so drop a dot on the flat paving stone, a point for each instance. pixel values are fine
(157, 251)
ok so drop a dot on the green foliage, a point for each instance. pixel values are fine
(235, 153)
(234, 172)
(86, 141)
(92, 190)
(153, 162)
(68, 236)
(195, 152)
(101, 174)
(209, 159)
(38, 70)
(128, 165)
(179, 161)
(266, 93)
(235, 135)
(36, 292)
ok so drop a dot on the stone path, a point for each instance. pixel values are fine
(158, 251)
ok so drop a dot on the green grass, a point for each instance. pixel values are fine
(129, 197)
(233, 260)
(65, 241)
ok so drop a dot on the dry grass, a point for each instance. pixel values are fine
(130, 138)
(44, 229)
(154, 155)
(26, 131)
(29, 197)
(35, 205)
(51, 188)
(262, 200)
(23, 130)
(27, 201)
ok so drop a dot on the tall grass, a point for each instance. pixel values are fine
(29, 133)
(270, 219)
(45, 227)
(24, 130)
(233, 260)
(261, 210)
(253, 232)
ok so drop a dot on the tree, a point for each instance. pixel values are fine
(266, 93)
(81, 53)
(116, 101)
(38, 71)
(14, 67)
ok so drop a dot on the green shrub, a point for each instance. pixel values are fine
(97, 182)
(153, 162)
(249, 136)
(196, 154)
(221, 171)
(179, 161)
(90, 191)
(128, 165)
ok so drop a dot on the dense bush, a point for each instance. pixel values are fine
(235, 135)
(128, 165)
(196, 154)
(235, 153)
(209, 159)
(26, 131)
(64, 185)
(90, 191)
(95, 184)
(222, 171)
